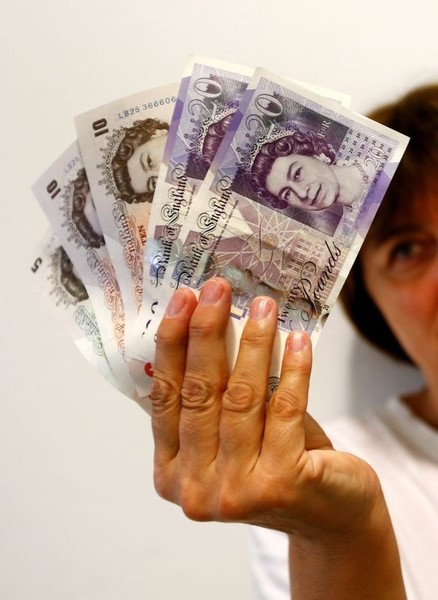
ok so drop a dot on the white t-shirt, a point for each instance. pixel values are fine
(403, 450)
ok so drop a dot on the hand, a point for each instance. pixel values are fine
(222, 452)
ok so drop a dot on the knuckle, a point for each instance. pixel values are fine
(164, 392)
(203, 328)
(166, 335)
(161, 485)
(196, 391)
(298, 368)
(253, 337)
(164, 481)
(229, 505)
(195, 503)
(191, 495)
(240, 501)
(239, 397)
(285, 404)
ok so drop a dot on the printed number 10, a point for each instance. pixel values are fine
(100, 127)
(53, 189)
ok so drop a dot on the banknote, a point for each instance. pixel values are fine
(286, 203)
(121, 145)
(208, 96)
(64, 194)
(63, 294)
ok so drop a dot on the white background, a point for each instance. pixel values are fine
(79, 518)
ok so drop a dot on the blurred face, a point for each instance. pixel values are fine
(144, 164)
(401, 275)
(303, 181)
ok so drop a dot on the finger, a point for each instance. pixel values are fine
(243, 406)
(285, 421)
(206, 375)
(169, 367)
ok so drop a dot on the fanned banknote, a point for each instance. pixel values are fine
(208, 97)
(266, 182)
(64, 194)
(121, 145)
(63, 293)
(287, 202)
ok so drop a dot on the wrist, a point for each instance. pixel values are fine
(357, 560)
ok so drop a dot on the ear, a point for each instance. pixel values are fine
(323, 158)
(160, 133)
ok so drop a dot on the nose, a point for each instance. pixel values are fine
(301, 189)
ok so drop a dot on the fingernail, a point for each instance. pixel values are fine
(211, 292)
(296, 341)
(176, 304)
(260, 308)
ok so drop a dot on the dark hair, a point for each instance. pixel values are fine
(415, 115)
(307, 144)
(139, 133)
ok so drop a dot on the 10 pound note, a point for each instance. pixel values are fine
(121, 145)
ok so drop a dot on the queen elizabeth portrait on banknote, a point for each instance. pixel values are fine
(136, 162)
(83, 212)
(299, 171)
(64, 273)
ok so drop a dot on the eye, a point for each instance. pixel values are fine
(286, 195)
(411, 250)
(149, 161)
(409, 256)
(405, 250)
(152, 183)
(297, 174)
